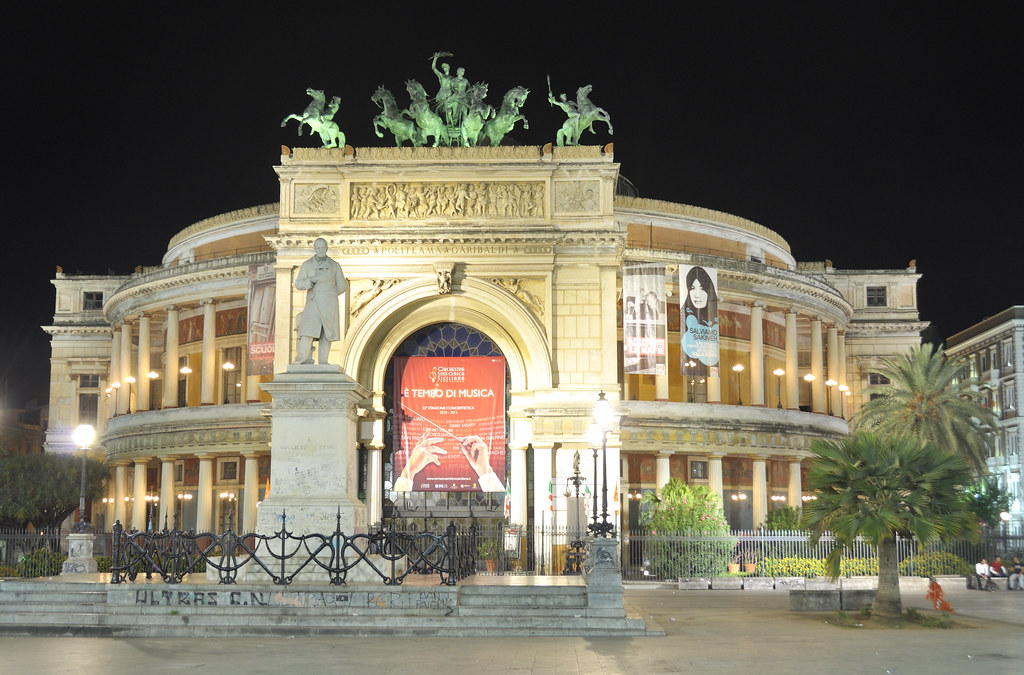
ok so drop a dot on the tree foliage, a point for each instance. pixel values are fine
(690, 536)
(44, 489)
(922, 401)
(879, 487)
(986, 500)
(783, 518)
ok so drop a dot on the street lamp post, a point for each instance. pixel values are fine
(153, 377)
(83, 436)
(151, 505)
(830, 383)
(130, 380)
(809, 379)
(602, 420)
(116, 386)
(844, 391)
(778, 373)
(738, 368)
(229, 498)
(691, 364)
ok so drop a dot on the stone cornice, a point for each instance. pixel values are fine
(444, 154)
(642, 205)
(152, 282)
(224, 218)
(228, 429)
(79, 330)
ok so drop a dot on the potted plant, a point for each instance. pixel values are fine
(734, 566)
(488, 550)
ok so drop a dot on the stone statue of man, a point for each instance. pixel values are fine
(319, 319)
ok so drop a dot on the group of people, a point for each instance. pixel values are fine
(985, 572)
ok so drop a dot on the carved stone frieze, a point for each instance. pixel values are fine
(365, 290)
(451, 201)
(529, 291)
(316, 198)
(577, 196)
(311, 403)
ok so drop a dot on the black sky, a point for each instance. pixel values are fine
(867, 133)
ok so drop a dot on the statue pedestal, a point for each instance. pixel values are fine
(601, 572)
(80, 560)
(314, 470)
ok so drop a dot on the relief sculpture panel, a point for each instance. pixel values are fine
(451, 201)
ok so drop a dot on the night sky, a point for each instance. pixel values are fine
(870, 134)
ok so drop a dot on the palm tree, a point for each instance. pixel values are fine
(923, 402)
(879, 487)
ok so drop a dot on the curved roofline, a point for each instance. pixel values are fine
(224, 218)
(674, 209)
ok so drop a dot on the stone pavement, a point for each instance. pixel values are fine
(706, 631)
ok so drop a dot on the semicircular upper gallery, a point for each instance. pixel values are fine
(519, 269)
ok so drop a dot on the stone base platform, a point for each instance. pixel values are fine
(478, 606)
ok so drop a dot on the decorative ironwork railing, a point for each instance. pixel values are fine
(283, 556)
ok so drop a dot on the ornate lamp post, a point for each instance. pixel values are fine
(602, 420)
(690, 378)
(83, 436)
(830, 383)
(229, 499)
(738, 368)
(153, 377)
(179, 514)
(809, 379)
(844, 391)
(130, 380)
(778, 373)
(151, 505)
(575, 552)
(116, 386)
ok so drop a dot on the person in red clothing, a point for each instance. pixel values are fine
(996, 568)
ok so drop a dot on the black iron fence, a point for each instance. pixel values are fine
(389, 554)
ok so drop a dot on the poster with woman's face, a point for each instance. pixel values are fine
(644, 326)
(698, 319)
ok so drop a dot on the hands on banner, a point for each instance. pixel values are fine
(426, 451)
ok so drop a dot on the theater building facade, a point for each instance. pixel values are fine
(511, 252)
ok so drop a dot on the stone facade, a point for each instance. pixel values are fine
(524, 245)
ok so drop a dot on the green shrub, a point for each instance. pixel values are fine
(41, 563)
(933, 563)
(783, 518)
(815, 567)
(689, 533)
(8, 571)
(103, 563)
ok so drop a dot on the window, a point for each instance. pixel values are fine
(229, 470)
(876, 296)
(88, 407)
(232, 366)
(876, 379)
(179, 472)
(88, 381)
(698, 469)
(92, 300)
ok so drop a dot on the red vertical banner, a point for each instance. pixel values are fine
(450, 423)
(262, 283)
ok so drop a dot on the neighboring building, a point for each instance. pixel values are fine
(992, 354)
(511, 251)
(20, 432)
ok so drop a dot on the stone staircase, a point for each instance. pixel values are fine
(541, 606)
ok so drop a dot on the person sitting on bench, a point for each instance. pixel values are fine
(984, 575)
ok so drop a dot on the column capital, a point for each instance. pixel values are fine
(170, 308)
(206, 301)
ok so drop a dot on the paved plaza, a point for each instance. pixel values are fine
(706, 631)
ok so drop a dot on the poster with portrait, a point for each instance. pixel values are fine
(698, 315)
(449, 431)
(260, 334)
(644, 326)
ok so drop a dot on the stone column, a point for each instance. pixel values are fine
(139, 521)
(795, 488)
(142, 402)
(661, 387)
(252, 494)
(663, 473)
(792, 364)
(375, 486)
(204, 495)
(171, 360)
(817, 369)
(542, 515)
(209, 385)
(833, 369)
(715, 475)
(120, 493)
(715, 388)
(518, 478)
(115, 372)
(166, 494)
(756, 355)
(125, 395)
(760, 492)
